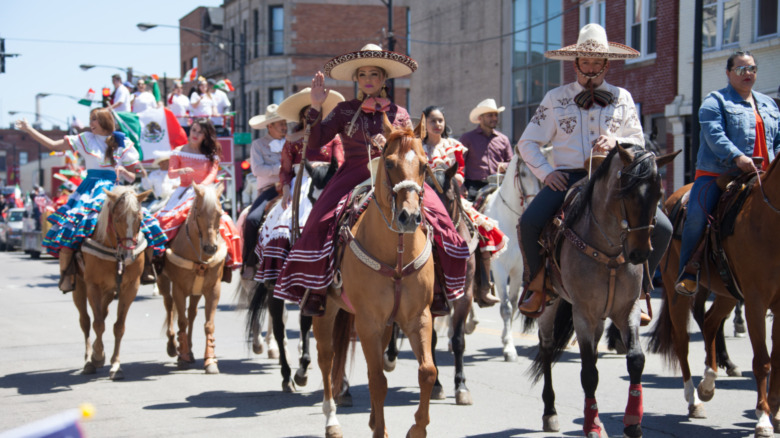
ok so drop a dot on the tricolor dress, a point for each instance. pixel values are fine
(310, 261)
(273, 244)
(178, 207)
(77, 218)
(441, 157)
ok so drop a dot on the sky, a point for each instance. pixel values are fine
(54, 37)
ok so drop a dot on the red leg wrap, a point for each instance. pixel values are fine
(634, 407)
(592, 422)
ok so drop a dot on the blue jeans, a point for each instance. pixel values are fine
(703, 199)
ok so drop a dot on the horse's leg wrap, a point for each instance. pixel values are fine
(634, 409)
(592, 422)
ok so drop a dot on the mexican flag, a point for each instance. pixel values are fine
(88, 99)
(155, 129)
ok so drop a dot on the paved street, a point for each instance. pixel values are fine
(43, 351)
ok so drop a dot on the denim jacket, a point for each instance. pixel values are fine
(728, 129)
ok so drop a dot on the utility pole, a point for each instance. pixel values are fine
(4, 55)
(696, 97)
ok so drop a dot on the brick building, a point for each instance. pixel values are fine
(17, 149)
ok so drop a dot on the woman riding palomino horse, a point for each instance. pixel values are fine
(309, 270)
(197, 162)
(107, 155)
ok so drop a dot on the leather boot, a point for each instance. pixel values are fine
(485, 297)
(313, 303)
(148, 276)
(533, 306)
(227, 274)
(439, 306)
(67, 271)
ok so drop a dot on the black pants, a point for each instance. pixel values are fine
(253, 222)
(473, 186)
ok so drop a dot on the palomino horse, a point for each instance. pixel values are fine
(517, 190)
(115, 253)
(194, 262)
(747, 249)
(607, 240)
(387, 273)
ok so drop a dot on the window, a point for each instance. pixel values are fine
(232, 48)
(275, 95)
(276, 30)
(767, 18)
(538, 27)
(256, 34)
(194, 61)
(641, 19)
(720, 25)
(593, 11)
(22, 158)
(257, 111)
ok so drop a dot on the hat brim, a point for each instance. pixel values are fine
(291, 107)
(260, 122)
(394, 64)
(478, 111)
(616, 51)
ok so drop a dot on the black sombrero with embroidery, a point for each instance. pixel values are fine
(395, 64)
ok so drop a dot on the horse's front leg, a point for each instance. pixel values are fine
(506, 308)
(212, 301)
(774, 377)
(164, 286)
(635, 363)
(588, 334)
(372, 336)
(99, 313)
(458, 321)
(545, 358)
(275, 310)
(754, 311)
(129, 290)
(192, 312)
(718, 311)
(80, 300)
(419, 333)
(301, 377)
(184, 358)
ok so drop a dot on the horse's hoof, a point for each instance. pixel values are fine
(697, 411)
(437, 393)
(333, 432)
(705, 395)
(739, 330)
(550, 423)
(597, 435)
(764, 432)
(301, 379)
(212, 368)
(510, 356)
(273, 354)
(98, 363)
(288, 387)
(116, 375)
(258, 348)
(632, 431)
(734, 371)
(191, 359)
(344, 400)
(182, 364)
(463, 398)
(171, 349)
(471, 326)
(89, 368)
(389, 365)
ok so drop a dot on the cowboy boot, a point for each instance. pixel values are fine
(227, 274)
(148, 276)
(485, 294)
(439, 306)
(313, 303)
(67, 270)
(533, 306)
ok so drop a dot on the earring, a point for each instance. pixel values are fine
(360, 95)
(383, 93)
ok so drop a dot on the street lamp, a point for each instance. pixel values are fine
(38, 98)
(221, 47)
(128, 70)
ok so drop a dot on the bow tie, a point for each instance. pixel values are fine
(374, 104)
(588, 97)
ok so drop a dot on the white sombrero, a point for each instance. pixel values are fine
(592, 43)
(262, 120)
(486, 106)
(291, 107)
(395, 64)
(160, 156)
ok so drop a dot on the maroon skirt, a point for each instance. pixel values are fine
(309, 264)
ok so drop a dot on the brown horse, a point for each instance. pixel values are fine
(607, 241)
(194, 264)
(748, 249)
(114, 252)
(389, 234)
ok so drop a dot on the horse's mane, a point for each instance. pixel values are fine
(639, 174)
(130, 205)
(406, 139)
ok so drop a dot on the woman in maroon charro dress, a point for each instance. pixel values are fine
(358, 122)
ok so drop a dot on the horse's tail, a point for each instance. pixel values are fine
(343, 329)
(563, 330)
(661, 336)
(257, 307)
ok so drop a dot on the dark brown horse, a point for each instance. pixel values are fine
(749, 250)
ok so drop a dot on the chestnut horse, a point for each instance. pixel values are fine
(194, 262)
(607, 241)
(749, 250)
(115, 252)
(388, 236)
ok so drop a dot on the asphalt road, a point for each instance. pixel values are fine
(42, 356)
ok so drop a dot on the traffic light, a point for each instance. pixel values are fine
(106, 97)
(245, 165)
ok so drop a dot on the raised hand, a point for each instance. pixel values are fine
(318, 91)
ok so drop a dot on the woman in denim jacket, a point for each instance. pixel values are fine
(737, 123)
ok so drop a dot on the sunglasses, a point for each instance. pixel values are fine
(740, 71)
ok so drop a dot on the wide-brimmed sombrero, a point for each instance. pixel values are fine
(395, 64)
(262, 120)
(291, 107)
(592, 43)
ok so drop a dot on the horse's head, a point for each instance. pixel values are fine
(451, 189)
(121, 218)
(205, 215)
(401, 176)
(320, 174)
(632, 192)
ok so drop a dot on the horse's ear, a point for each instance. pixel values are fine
(142, 197)
(198, 189)
(625, 154)
(452, 171)
(386, 125)
(420, 130)
(663, 160)
(111, 195)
